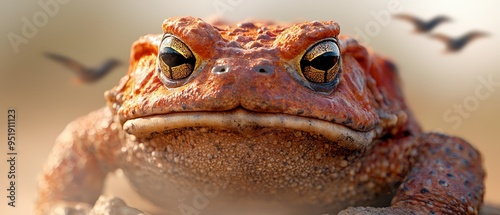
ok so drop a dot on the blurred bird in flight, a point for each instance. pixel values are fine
(84, 73)
(456, 44)
(452, 44)
(422, 26)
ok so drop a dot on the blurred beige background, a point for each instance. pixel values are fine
(90, 31)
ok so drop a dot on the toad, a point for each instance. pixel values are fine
(260, 118)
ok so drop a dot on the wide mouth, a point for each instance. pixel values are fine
(147, 127)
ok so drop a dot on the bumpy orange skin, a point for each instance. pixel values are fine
(401, 171)
(269, 45)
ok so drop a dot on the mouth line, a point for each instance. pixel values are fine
(238, 118)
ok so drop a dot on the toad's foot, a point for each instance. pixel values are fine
(113, 206)
(379, 211)
(104, 206)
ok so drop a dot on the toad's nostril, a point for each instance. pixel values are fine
(220, 69)
(264, 69)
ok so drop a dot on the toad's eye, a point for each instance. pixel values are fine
(175, 60)
(321, 63)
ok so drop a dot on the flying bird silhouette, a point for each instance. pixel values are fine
(85, 74)
(456, 44)
(422, 26)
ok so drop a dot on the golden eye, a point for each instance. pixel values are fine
(321, 63)
(175, 59)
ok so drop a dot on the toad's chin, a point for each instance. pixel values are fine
(239, 119)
